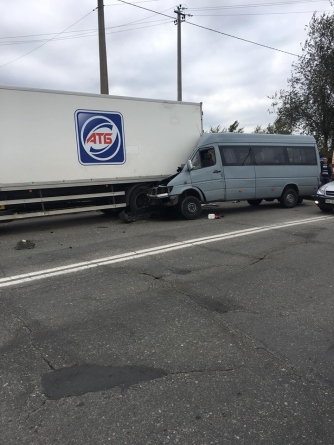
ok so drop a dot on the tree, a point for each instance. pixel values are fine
(233, 128)
(276, 128)
(307, 106)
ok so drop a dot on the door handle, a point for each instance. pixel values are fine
(216, 171)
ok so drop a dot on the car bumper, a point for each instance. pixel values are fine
(325, 202)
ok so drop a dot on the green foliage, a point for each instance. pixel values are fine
(233, 128)
(307, 106)
(276, 128)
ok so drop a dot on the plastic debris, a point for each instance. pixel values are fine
(213, 216)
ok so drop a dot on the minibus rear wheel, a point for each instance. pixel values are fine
(254, 202)
(289, 198)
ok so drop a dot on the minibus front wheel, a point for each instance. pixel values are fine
(289, 198)
(190, 207)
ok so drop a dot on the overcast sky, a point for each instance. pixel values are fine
(229, 75)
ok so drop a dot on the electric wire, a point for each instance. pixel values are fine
(257, 13)
(254, 5)
(144, 1)
(214, 30)
(92, 33)
(29, 52)
(85, 31)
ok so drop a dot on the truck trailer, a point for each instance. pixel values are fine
(67, 152)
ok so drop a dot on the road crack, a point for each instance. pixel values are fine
(32, 344)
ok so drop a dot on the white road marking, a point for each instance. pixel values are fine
(56, 271)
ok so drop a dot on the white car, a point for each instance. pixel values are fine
(325, 197)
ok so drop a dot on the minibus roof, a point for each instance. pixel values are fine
(246, 138)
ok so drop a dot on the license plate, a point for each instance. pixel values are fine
(329, 201)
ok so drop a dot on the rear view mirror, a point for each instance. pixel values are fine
(189, 165)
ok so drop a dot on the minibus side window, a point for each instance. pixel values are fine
(267, 155)
(204, 158)
(302, 155)
(236, 155)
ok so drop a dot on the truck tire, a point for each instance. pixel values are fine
(254, 202)
(289, 198)
(190, 207)
(138, 198)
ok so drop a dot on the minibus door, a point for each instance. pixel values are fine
(207, 174)
(239, 171)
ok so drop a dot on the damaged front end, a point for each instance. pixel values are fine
(168, 191)
(161, 195)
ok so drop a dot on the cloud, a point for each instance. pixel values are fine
(230, 76)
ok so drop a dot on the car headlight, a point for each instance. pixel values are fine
(321, 191)
(169, 188)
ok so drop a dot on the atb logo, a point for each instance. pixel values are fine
(100, 137)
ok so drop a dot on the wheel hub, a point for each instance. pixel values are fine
(290, 198)
(191, 208)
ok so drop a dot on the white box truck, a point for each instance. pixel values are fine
(65, 152)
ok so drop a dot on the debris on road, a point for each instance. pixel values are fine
(25, 244)
(145, 213)
(213, 216)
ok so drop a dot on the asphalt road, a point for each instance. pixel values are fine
(167, 331)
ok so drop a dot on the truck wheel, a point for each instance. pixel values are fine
(190, 207)
(289, 198)
(138, 198)
(254, 202)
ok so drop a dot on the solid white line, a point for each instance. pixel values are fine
(77, 267)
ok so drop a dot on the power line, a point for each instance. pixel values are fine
(143, 1)
(258, 13)
(160, 13)
(29, 52)
(248, 41)
(255, 5)
(95, 30)
(85, 31)
(218, 32)
(92, 33)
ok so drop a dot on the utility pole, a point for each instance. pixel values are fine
(102, 49)
(180, 18)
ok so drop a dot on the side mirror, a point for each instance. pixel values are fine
(189, 165)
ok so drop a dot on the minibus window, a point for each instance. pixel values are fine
(265, 155)
(236, 155)
(302, 155)
(204, 158)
